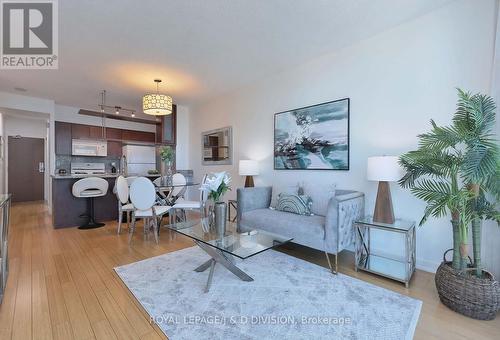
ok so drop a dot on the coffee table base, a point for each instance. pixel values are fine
(220, 257)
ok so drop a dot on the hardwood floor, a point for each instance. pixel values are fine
(62, 284)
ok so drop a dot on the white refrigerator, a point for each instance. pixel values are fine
(140, 159)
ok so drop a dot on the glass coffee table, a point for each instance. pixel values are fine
(223, 248)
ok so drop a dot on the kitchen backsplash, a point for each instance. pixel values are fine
(64, 162)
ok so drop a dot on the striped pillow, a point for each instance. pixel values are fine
(296, 204)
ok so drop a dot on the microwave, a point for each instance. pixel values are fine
(81, 147)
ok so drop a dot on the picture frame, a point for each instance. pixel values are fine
(315, 137)
(217, 146)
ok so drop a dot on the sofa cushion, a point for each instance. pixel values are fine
(305, 230)
(320, 195)
(295, 204)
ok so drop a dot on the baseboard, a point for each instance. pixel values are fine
(427, 266)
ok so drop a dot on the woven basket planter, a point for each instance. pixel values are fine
(478, 298)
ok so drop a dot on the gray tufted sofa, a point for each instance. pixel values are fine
(330, 233)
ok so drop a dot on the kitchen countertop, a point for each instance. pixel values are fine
(70, 176)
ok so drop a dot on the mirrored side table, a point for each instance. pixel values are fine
(399, 269)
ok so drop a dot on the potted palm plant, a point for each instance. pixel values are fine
(456, 171)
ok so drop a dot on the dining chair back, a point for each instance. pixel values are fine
(122, 189)
(203, 193)
(157, 181)
(142, 193)
(179, 183)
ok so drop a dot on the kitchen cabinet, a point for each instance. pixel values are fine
(138, 136)
(112, 133)
(80, 131)
(165, 132)
(114, 149)
(63, 138)
(96, 132)
(65, 132)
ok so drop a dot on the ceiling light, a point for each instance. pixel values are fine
(133, 114)
(117, 110)
(157, 104)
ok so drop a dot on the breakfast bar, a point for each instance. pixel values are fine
(66, 209)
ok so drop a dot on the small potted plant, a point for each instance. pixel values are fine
(216, 185)
(167, 157)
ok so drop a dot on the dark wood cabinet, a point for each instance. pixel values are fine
(165, 132)
(63, 138)
(80, 131)
(112, 133)
(65, 132)
(114, 149)
(138, 136)
(96, 132)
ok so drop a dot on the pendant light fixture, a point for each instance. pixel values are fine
(157, 104)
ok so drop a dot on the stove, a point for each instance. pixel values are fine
(88, 169)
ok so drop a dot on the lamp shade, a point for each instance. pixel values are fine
(248, 168)
(157, 104)
(383, 168)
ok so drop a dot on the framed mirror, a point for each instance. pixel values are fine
(217, 146)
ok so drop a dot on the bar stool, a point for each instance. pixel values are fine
(90, 188)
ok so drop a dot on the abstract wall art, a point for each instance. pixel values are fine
(313, 137)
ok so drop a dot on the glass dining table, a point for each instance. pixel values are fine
(166, 191)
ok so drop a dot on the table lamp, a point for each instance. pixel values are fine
(248, 168)
(383, 169)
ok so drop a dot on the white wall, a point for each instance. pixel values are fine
(183, 141)
(396, 81)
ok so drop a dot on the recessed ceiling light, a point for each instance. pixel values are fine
(20, 89)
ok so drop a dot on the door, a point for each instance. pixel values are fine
(26, 168)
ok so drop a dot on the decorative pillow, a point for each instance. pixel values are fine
(296, 204)
(277, 191)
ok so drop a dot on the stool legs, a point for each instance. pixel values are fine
(91, 222)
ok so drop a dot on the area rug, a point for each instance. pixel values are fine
(288, 299)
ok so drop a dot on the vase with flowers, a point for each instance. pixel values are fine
(167, 157)
(216, 185)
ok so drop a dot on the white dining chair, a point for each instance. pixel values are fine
(182, 204)
(124, 205)
(142, 196)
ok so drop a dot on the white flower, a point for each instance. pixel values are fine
(213, 182)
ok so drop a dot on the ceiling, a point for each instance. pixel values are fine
(199, 48)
